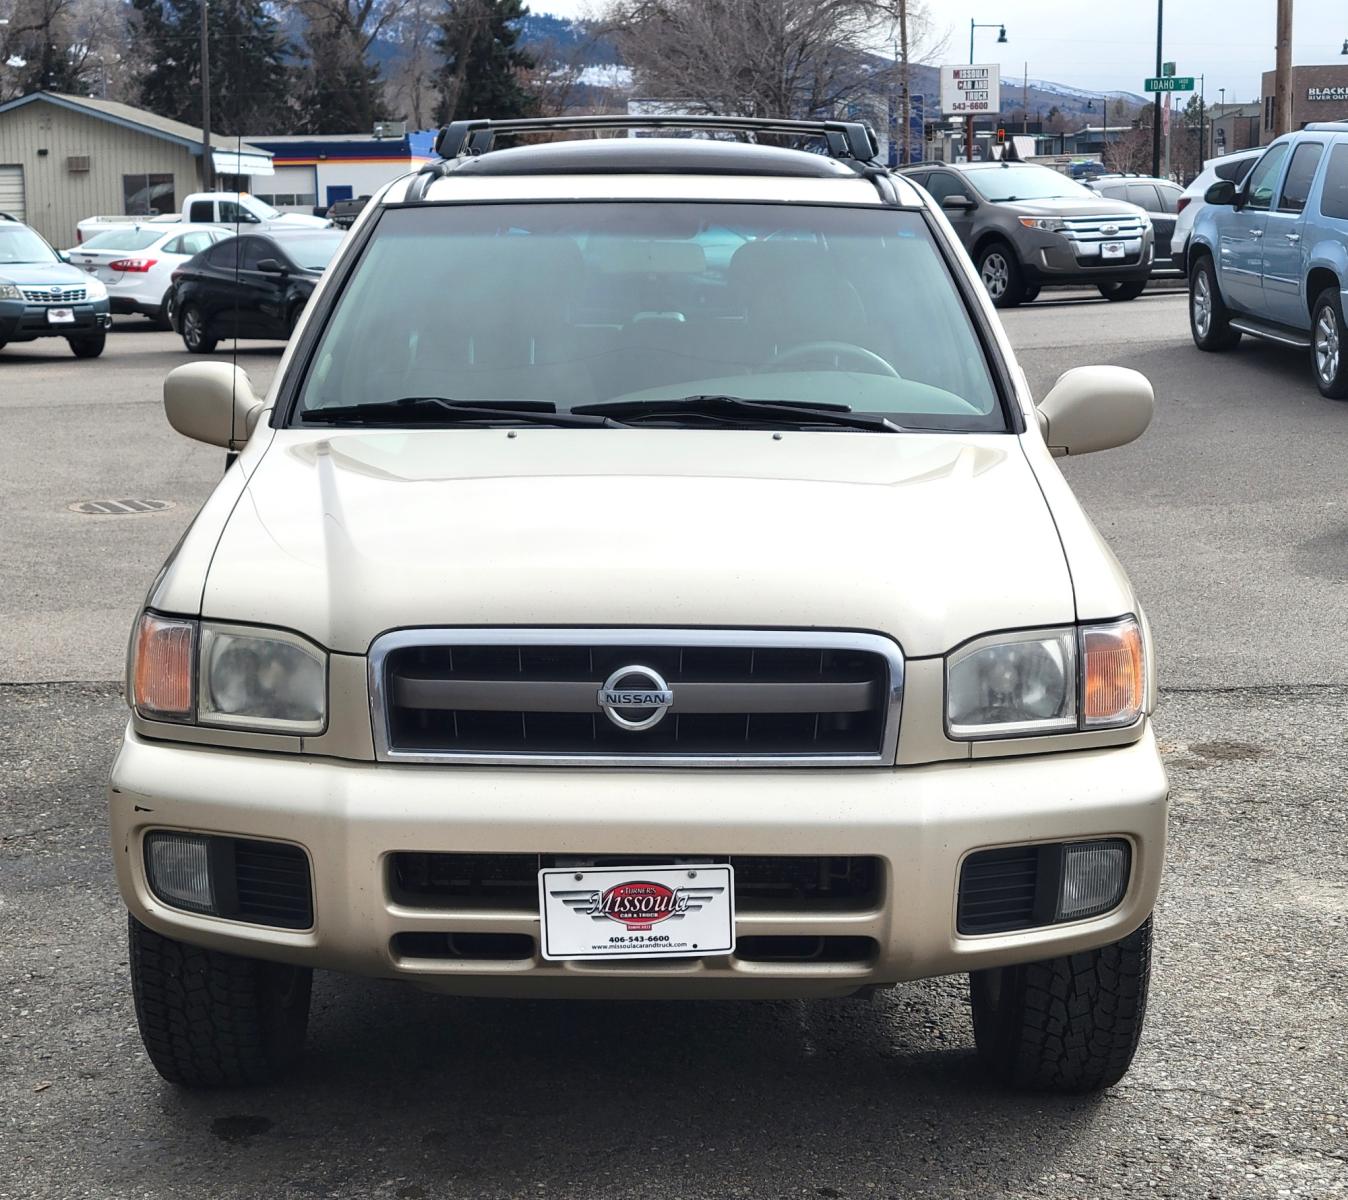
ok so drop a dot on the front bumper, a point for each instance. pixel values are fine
(919, 821)
(1051, 258)
(22, 321)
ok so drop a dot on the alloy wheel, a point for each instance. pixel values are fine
(1202, 304)
(1327, 346)
(995, 274)
(192, 329)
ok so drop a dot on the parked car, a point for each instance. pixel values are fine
(853, 694)
(1026, 225)
(136, 263)
(1158, 198)
(42, 295)
(1230, 166)
(234, 210)
(1270, 257)
(254, 286)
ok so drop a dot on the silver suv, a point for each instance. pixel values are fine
(1026, 226)
(648, 576)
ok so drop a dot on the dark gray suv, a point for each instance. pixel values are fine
(1025, 226)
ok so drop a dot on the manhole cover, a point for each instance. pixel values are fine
(119, 508)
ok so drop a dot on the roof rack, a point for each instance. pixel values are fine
(844, 139)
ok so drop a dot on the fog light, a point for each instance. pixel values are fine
(1094, 878)
(179, 870)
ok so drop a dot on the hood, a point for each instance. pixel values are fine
(1073, 206)
(302, 220)
(42, 274)
(931, 538)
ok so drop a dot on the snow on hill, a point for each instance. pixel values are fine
(1062, 89)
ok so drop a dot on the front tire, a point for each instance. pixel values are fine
(1329, 345)
(195, 337)
(1122, 291)
(1001, 275)
(1209, 318)
(1068, 1024)
(88, 347)
(210, 1019)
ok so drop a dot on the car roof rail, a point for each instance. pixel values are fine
(1326, 127)
(850, 140)
(4, 216)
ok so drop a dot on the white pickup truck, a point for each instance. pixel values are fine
(212, 208)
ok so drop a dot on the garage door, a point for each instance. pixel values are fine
(11, 191)
(291, 189)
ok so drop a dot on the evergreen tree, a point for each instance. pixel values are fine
(484, 65)
(340, 92)
(250, 79)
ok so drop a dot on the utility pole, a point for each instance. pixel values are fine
(207, 165)
(907, 114)
(1156, 103)
(1282, 73)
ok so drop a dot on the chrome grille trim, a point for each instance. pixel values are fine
(711, 697)
(1089, 229)
(48, 296)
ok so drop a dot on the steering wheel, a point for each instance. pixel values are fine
(870, 362)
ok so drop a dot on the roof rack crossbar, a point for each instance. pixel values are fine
(844, 139)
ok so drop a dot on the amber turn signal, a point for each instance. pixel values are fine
(162, 655)
(1115, 674)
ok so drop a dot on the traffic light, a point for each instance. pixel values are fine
(1001, 135)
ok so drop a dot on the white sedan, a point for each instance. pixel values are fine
(136, 263)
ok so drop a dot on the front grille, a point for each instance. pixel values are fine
(54, 295)
(763, 883)
(272, 884)
(549, 696)
(1091, 230)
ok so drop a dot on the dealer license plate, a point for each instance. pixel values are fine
(637, 912)
(1111, 250)
(60, 316)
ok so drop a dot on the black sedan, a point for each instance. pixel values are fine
(251, 286)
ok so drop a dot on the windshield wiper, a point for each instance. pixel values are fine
(739, 411)
(438, 410)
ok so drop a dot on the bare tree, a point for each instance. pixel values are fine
(753, 57)
(64, 45)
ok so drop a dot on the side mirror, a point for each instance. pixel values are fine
(1095, 408)
(1221, 192)
(270, 266)
(63, 256)
(212, 402)
(957, 203)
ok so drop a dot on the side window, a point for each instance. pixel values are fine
(1264, 178)
(1169, 198)
(254, 251)
(1334, 194)
(200, 210)
(942, 184)
(174, 246)
(920, 180)
(1296, 188)
(1110, 191)
(1144, 196)
(225, 255)
(1234, 171)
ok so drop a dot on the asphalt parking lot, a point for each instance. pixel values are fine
(1231, 515)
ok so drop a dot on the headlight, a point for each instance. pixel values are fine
(1047, 681)
(9, 292)
(1047, 224)
(237, 677)
(96, 290)
(261, 679)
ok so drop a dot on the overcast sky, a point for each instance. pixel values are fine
(1112, 46)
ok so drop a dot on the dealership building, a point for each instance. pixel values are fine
(313, 172)
(1318, 94)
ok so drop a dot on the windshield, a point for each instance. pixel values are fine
(1025, 182)
(314, 252)
(19, 244)
(571, 304)
(262, 209)
(124, 239)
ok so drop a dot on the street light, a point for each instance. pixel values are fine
(969, 120)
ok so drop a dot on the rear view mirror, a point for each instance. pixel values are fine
(212, 402)
(1095, 408)
(1221, 192)
(957, 203)
(270, 266)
